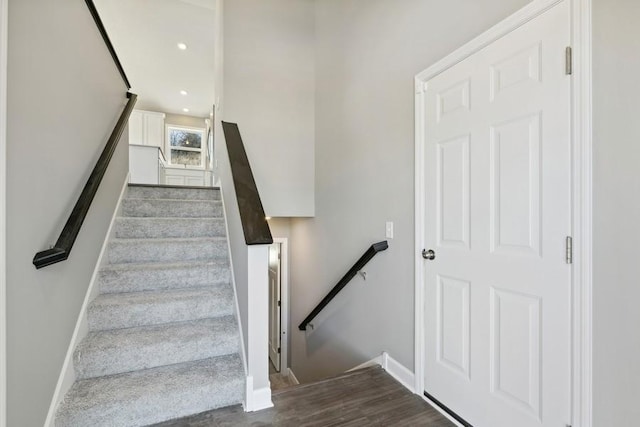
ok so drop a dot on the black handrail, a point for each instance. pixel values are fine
(107, 40)
(364, 259)
(62, 248)
(254, 223)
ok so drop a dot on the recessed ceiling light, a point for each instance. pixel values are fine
(183, 92)
(186, 110)
(267, 218)
(182, 46)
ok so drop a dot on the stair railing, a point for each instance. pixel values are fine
(254, 223)
(61, 250)
(107, 41)
(67, 238)
(364, 259)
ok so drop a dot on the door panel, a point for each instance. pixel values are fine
(497, 195)
(453, 324)
(515, 349)
(453, 192)
(515, 185)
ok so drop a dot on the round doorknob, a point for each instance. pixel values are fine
(428, 254)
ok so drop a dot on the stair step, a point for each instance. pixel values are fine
(125, 350)
(117, 278)
(128, 310)
(181, 193)
(166, 250)
(171, 208)
(154, 395)
(153, 228)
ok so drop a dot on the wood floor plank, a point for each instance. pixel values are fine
(363, 398)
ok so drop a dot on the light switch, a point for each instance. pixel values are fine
(389, 230)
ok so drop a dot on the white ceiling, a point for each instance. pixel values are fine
(145, 34)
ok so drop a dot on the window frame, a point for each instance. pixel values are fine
(201, 150)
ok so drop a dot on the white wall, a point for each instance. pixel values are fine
(3, 209)
(269, 91)
(64, 97)
(616, 213)
(367, 53)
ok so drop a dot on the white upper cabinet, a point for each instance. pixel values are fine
(146, 128)
(136, 128)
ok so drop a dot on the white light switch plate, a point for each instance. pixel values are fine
(389, 230)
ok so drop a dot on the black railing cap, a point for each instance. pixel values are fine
(254, 222)
(364, 259)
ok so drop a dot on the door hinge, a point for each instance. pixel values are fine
(278, 350)
(568, 61)
(569, 249)
(279, 303)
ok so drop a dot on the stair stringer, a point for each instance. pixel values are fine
(235, 296)
(67, 374)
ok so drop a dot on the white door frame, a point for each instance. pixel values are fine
(3, 208)
(284, 303)
(581, 189)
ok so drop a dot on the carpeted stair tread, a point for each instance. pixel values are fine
(129, 277)
(163, 339)
(152, 227)
(124, 350)
(145, 192)
(167, 250)
(171, 208)
(127, 310)
(150, 396)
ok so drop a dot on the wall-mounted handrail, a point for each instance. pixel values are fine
(107, 40)
(254, 223)
(64, 244)
(364, 259)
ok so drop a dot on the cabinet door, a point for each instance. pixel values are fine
(136, 128)
(194, 181)
(154, 129)
(174, 180)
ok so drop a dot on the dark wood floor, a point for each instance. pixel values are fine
(368, 397)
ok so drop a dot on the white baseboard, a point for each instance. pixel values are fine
(394, 368)
(376, 361)
(292, 376)
(67, 374)
(256, 400)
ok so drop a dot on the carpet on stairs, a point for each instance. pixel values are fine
(163, 339)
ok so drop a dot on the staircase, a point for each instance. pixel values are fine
(163, 339)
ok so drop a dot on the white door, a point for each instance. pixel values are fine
(497, 197)
(274, 305)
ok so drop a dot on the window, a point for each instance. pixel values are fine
(185, 146)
